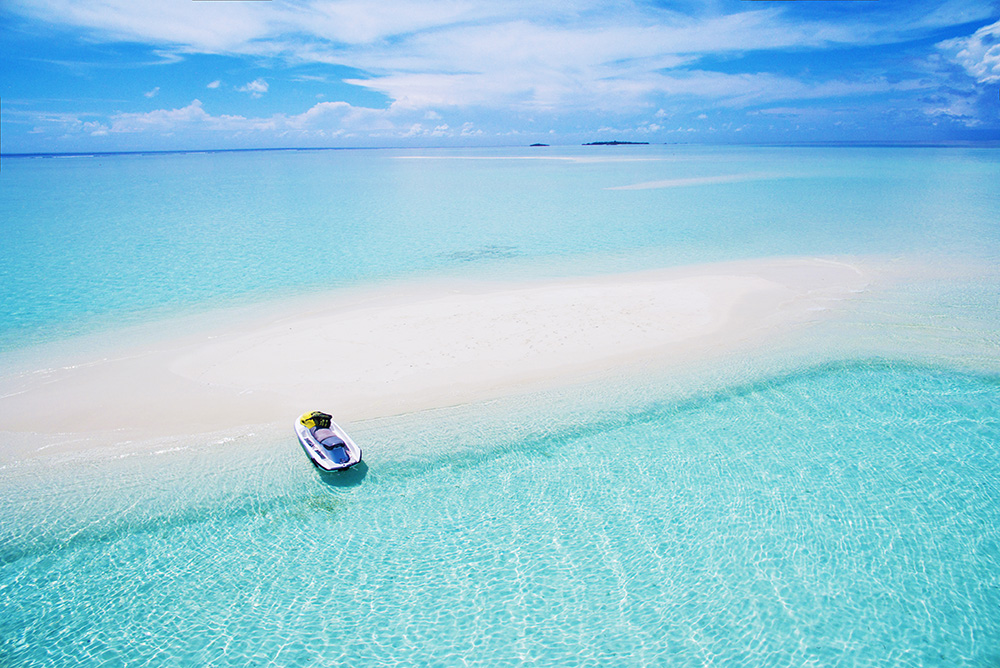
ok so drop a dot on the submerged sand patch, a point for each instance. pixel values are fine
(422, 347)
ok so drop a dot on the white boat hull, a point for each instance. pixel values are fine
(342, 454)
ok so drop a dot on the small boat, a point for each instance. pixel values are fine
(327, 445)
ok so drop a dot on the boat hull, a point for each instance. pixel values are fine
(324, 458)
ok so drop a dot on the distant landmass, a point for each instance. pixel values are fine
(614, 143)
(539, 144)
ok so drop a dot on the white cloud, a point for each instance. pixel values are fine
(360, 22)
(956, 107)
(62, 123)
(978, 54)
(209, 27)
(611, 93)
(160, 119)
(340, 116)
(260, 28)
(193, 117)
(561, 56)
(470, 130)
(324, 119)
(152, 93)
(256, 88)
(304, 29)
(536, 52)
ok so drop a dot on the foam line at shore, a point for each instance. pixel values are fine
(419, 348)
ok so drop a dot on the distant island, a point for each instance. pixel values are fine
(614, 143)
(539, 144)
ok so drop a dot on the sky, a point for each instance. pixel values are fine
(127, 75)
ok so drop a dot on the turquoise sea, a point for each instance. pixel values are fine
(832, 501)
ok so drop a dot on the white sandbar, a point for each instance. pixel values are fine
(424, 347)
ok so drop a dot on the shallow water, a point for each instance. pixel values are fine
(829, 498)
(845, 513)
(95, 243)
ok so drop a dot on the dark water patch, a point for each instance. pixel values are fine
(481, 254)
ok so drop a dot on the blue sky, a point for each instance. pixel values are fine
(119, 75)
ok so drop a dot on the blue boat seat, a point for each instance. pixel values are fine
(322, 433)
(329, 439)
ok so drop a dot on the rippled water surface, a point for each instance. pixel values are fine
(847, 513)
(835, 503)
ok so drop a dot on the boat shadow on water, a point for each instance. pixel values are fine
(351, 477)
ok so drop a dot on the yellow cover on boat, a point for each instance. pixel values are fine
(315, 419)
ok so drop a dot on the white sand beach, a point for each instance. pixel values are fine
(421, 347)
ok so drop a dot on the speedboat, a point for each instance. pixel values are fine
(327, 445)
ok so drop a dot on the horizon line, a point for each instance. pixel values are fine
(958, 143)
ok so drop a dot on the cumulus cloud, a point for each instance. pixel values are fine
(152, 93)
(256, 88)
(214, 84)
(160, 119)
(340, 116)
(324, 119)
(978, 54)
